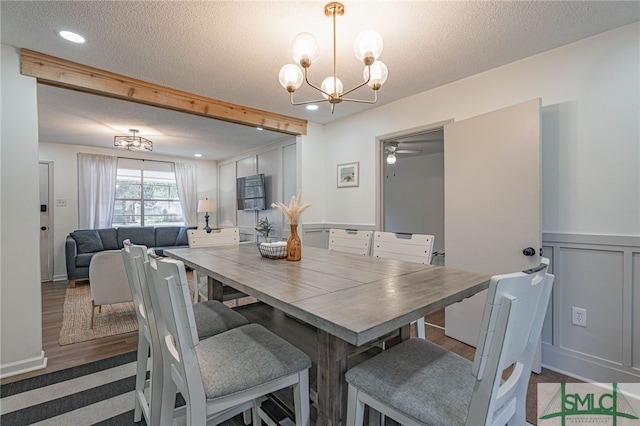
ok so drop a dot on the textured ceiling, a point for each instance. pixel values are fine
(233, 51)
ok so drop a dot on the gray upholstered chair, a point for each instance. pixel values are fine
(410, 247)
(350, 241)
(223, 374)
(211, 318)
(420, 383)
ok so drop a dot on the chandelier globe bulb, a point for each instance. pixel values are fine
(305, 49)
(328, 87)
(290, 77)
(368, 46)
(379, 73)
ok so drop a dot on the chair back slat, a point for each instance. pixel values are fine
(416, 248)
(138, 284)
(350, 241)
(172, 293)
(217, 237)
(510, 329)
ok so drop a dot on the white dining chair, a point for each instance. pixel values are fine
(350, 241)
(420, 383)
(416, 248)
(199, 238)
(224, 374)
(211, 318)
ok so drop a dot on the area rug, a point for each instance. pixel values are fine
(114, 319)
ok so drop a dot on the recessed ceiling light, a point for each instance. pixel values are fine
(197, 155)
(259, 128)
(71, 36)
(312, 107)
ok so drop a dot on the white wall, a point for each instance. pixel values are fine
(20, 302)
(65, 186)
(591, 153)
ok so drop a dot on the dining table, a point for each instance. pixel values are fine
(355, 302)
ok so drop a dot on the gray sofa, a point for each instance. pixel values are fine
(83, 244)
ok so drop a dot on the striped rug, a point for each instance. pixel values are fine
(98, 393)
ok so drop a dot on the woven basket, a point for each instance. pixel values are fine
(272, 252)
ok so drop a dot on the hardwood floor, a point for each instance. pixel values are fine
(61, 357)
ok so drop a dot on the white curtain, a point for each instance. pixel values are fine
(186, 183)
(96, 190)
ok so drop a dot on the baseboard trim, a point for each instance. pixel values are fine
(60, 277)
(23, 366)
(585, 367)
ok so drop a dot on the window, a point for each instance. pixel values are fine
(146, 194)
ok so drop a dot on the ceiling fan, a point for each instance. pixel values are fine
(392, 148)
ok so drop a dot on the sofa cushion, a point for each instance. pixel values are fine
(141, 235)
(87, 240)
(109, 238)
(183, 237)
(166, 235)
(84, 259)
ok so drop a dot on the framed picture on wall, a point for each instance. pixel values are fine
(348, 174)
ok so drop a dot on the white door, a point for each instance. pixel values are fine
(492, 201)
(46, 249)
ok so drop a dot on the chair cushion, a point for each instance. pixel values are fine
(246, 357)
(87, 240)
(141, 235)
(109, 238)
(213, 317)
(420, 379)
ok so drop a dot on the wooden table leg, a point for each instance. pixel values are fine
(332, 388)
(214, 289)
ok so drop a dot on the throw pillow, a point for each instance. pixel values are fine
(88, 241)
(182, 239)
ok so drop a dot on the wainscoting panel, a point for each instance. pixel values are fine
(599, 273)
(636, 310)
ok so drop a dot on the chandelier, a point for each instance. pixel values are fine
(133, 142)
(367, 46)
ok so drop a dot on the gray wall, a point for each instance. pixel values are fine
(278, 163)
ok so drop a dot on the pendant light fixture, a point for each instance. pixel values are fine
(133, 142)
(367, 46)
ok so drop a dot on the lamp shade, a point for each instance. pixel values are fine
(206, 205)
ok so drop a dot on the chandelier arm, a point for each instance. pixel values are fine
(306, 79)
(355, 88)
(305, 102)
(362, 101)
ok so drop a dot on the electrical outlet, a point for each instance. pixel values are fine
(579, 316)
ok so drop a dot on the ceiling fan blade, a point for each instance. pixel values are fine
(408, 151)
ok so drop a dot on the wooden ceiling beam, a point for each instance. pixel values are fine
(62, 73)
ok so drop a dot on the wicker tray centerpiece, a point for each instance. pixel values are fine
(276, 250)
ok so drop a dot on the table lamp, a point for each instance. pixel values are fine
(206, 206)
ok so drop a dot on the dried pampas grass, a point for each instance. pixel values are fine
(294, 209)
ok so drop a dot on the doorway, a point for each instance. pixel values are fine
(413, 185)
(46, 219)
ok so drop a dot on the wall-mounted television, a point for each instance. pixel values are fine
(251, 193)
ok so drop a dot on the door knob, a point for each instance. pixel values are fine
(529, 251)
(43, 228)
